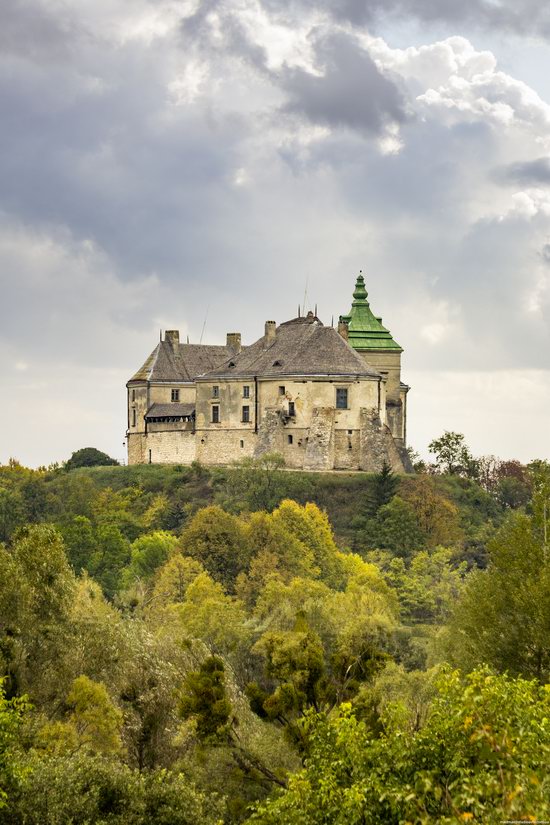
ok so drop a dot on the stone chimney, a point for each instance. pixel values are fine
(343, 329)
(270, 332)
(173, 337)
(234, 342)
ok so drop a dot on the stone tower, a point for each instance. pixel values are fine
(366, 334)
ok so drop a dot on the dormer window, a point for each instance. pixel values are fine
(231, 364)
(277, 363)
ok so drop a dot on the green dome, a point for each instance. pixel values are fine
(365, 330)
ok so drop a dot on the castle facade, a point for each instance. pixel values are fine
(325, 399)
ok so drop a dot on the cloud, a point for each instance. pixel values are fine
(516, 16)
(165, 162)
(525, 173)
(350, 91)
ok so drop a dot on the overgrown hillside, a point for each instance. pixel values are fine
(183, 645)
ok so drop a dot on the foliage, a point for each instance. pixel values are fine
(503, 617)
(452, 456)
(11, 772)
(481, 755)
(89, 457)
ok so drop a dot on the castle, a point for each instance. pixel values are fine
(325, 399)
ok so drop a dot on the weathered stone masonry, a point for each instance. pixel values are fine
(323, 398)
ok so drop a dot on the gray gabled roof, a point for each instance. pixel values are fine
(182, 363)
(302, 347)
(172, 410)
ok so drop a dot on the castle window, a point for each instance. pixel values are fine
(133, 395)
(175, 395)
(341, 399)
(290, 439)
(282, 390)
(133, 418)
(150, 456)
(215, 392)
(246, 415)
(246, 392)
(291, 409)
(242, 444)
(215, 414)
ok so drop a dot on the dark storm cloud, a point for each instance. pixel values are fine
(525, 173)
(522, 16)
(351, 92)
(29, 29)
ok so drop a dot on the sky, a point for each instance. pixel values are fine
(178, 164)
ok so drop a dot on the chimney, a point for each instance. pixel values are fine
(270, 332)
(173, 337)
(343, 329)
(234, 342)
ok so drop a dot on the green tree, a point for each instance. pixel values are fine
(11, 712)
(394, 528)
(452, 455)
(383, 486)
(503, 617)
(111, 556)
(217, 540)
(89, 457)
(91, 720)
(148, 553)
(80, 542)
(204, 700)
(12, 512)
(481, 755)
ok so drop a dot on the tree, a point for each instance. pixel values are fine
(12, 512)
(503, 617)
(148, 553)
(89, 457)
(217, 540)
(452, 456)
(437, 517)
(11, 713)
(481, 755)
(204, 699)
(257, 483)
(91, 722)
(395, 528)
(383, 487)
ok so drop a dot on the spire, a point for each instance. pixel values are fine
(365, 330)
(360, 294)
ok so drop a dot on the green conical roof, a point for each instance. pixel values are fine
(365, 330)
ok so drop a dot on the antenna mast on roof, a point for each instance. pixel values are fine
(305, 294)
(204, 324)
(316, 310)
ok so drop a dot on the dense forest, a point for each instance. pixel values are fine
(246, 644)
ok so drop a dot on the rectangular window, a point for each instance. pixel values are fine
(175, 395)
(246, 415)
(150, 456)
(282, 390)
(215, 392)
(290, 439)
(291, 409)
(215, 414)
(133, 395)
(133, 418)
(242, 444)
(341, 399)
(246, 392)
